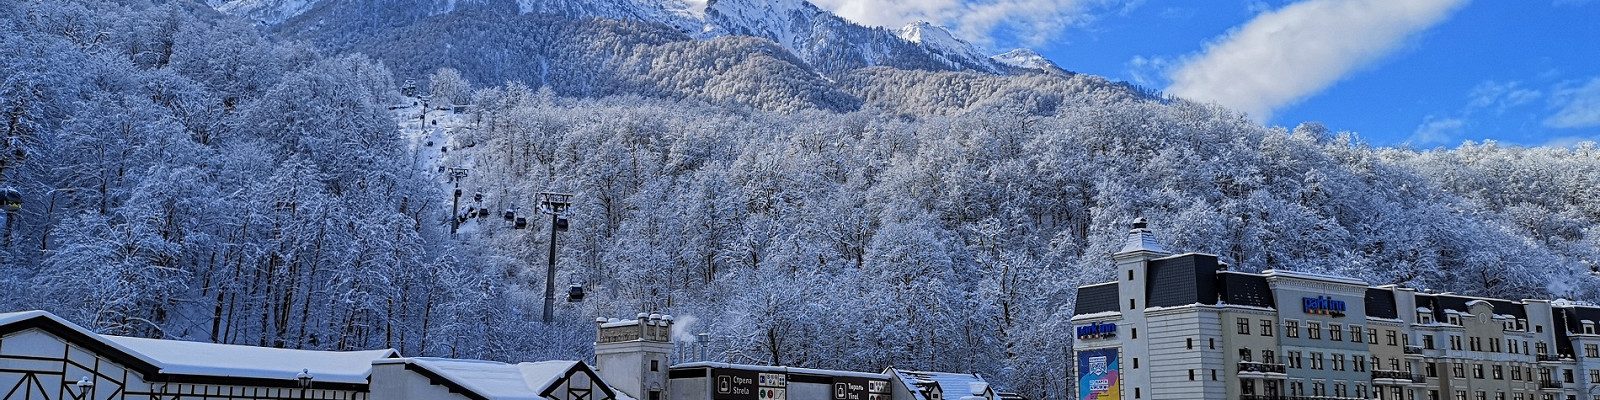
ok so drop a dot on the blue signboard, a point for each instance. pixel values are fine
(1323, 305)
(1097, 330)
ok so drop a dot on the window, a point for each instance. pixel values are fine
(1313, 330)
(1338, 362)
(1316, 360)
(1136, 393)
(1480, 395)
(1133, 333)
(1590, 350)
(1458, 370)
(1291, 329)
(1189, 343)
(1477, 371)
(1377, 363)
(1461, 395)
(1247, 386)
(1455, 320)
(1212, 342)
(1427, 342)
(1191, 374)
(1269, 357)
(1244, 354)
(1497, 372)
(1455, 342)
(1494, 345)
(1358, 363)
(655, 395)
(1130, 304)
(1425, 318)
(1318, 388)
(1394, 364)
(1542, 348)
(1594, 376)
(1544, 374)
(1389, 335)
(1136, 362)
(1244, 326)
(1516, 373)
(1266, 327)
(655, 365)
(1130, 274)
(1355, 333)
(1475, 344)
(1335, 332)
(1372, 335)
(1293, 359)
(1213, 374)
(1432, 370)
(1566, 375)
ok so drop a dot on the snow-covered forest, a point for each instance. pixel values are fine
(187, 175)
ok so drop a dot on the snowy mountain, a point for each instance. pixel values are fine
(1026, 59)
(940, 41)
(826, 42)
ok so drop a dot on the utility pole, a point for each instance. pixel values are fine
(456, 174)
(556, 205)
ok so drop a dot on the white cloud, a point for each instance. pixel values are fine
(1436, 131)
(1281, 57)
(1033, 21)
(1499, 96)
(1580, 107)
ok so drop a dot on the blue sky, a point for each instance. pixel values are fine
(1423, 73)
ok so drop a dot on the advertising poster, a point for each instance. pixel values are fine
(1098, 376)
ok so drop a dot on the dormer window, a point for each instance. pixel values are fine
(1455, 320)
(1426, 318)
(1588, 327)
(1522, 324)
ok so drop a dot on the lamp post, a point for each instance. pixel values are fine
(456, 174)
(555, 204)
(304, 377)
(84, 386)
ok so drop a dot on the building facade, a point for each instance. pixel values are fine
(1185, 327)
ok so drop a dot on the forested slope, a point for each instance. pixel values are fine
(187, 176)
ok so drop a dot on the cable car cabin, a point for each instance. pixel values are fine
(483, 213)
(10, 200)
(575, 293)
(458, 192)
(478, 197)
(510, 215)
(522, 223)
(560, 224)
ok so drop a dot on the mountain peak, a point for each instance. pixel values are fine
(1027, 59)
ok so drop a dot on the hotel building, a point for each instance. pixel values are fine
(1185, 327)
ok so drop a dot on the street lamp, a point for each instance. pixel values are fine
(555, 204)
(304, 377)
(84, 385)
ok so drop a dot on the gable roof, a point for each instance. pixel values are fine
(489, 380)
(14, 322)
(178, 357)
(183, 361)
(952, 385)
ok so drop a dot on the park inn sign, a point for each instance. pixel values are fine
(1323, 305)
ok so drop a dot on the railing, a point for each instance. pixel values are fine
(1548, 384)
(1413, 349)
(1550, 357)
(1286, 397)
(1381, 374)
(1249, 366)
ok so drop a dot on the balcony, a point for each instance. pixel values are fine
(1549, 384)
(1248, 366)
(1551, 357)
(1400, 375)
(1413, 349)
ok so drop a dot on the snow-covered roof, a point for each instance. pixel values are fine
(1313, 276)
(766, 368)
(235, 361)
(497, 380)
(219, 360)
(952, 385)
(1140, 239)
(16, 317)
